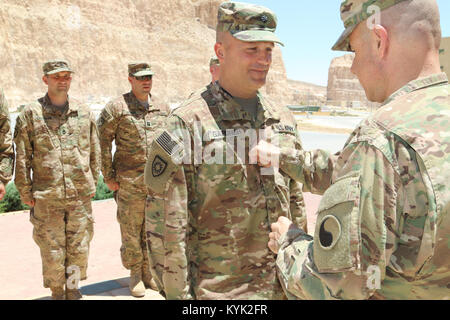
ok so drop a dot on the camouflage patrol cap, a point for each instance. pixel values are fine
(214, 61)
(353, 12)
(247, 22)
(55, 66)
(139, 69)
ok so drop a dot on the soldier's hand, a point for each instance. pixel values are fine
(278, 230)
(2, 191)
(30, 203)
(93, 195)
(113, 186)
(266, 154)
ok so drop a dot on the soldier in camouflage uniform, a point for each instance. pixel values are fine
(6, 146)
(56, 138)
(383, 226)
(214, 68)
(131, 120)
(207, 219)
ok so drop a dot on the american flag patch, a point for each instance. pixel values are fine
(167, 143)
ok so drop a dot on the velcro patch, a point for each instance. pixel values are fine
(158, 166)
(330, 232)
(336, 238)
(161, 162)
(166, 142)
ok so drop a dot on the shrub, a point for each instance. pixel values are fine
(102, 190)
(11, 201)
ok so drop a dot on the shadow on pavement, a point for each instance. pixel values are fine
(117, 289)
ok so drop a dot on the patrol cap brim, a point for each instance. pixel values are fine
(256, 36)
(143, 73)
(343, 43)
(60, 70)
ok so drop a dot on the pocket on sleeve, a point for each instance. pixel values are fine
(337, 233)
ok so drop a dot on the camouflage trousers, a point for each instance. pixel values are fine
(63, 230)
(131, 217)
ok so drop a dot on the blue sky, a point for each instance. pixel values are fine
(308, 30)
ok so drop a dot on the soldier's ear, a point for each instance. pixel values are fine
(45, 79)
(382, 39)
(219, 50)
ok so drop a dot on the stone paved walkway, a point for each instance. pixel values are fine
(20, 262)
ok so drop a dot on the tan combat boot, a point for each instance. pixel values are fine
(137, 287)
(149, 282)
(58, 293)
(73, 294)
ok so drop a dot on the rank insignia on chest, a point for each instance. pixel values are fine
(53, 123)
(148, 123)
(106, 116)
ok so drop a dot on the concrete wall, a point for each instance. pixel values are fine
(445, 55)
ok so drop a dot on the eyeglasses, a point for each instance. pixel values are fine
(144, 78)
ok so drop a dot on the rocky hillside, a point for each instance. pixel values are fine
(99, 38)
(307, 93)
(344, 87)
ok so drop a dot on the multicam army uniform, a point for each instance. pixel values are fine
(353, 12)
(132, 126)
(214, 61)
(383, 228)
(207, 223)
(62, 150)
(6, 147)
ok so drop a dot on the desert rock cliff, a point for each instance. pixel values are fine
(99, 38)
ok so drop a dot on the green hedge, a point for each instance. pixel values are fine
(102, 190)
(11, 201)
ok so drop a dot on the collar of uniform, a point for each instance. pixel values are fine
(421, 83)
(230, 110)
(266, 109)
(48, 105)
(134, 102)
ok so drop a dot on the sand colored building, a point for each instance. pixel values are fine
(444, 54)
(344, 88)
